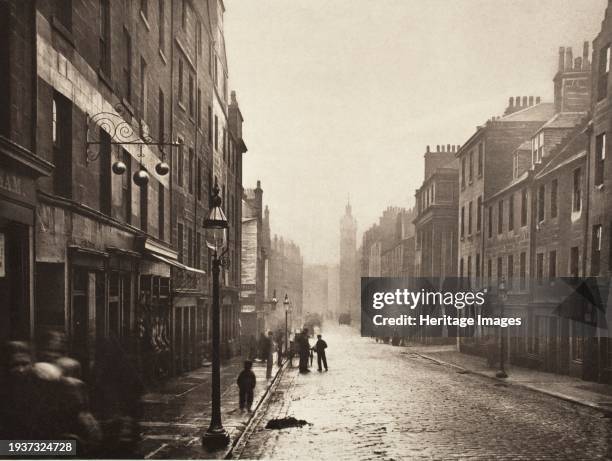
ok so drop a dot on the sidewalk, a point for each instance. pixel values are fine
(595, 395)
(178, 412)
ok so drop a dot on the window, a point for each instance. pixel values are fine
(470, 218)
(198, 251)
(537, 148)
(216, 132)
(523, 207)
(596, 250)
(523, 271)
(469, 270)
(162, 25)
(61, 121)
(180, 81)
(500, 216)
(462, 221)
(162, 116)
(490, 221)
(190, 247)
(577, 194)
(510, 280)
(479, 214)
(105, 37)
(554, 209)
(199, 108)
(191, 168)
(552, 265)
(199, 179)
(144, 208)
(511, 212)
(574, 262)
(471, 166)
(480, 159)
(540, 268)
(127, 65)
(179, 241)
(600, 156)
(161, 212)
(604, 70)
(541, 202)
(199, 37)
(463, 172)
(105, 190)
(180, 163)
(500, 268)
(191, 97)
(144, 89)
(210, 126)
(126, 186)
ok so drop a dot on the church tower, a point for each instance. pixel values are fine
(349, 279)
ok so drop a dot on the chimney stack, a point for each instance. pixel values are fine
(438, 148)
(538, 100)
(530, 101)
(561, 59)
(427, 149)
(448, 148)
(524, 101)
(511, 103)
(585, 56)
(569, 58)
(517, 102)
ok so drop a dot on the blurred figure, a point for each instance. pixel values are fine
(116, 399)
(270, 355)
(246, 384)
(304, 351)
(320, 347)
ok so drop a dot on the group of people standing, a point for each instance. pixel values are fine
(305, 351)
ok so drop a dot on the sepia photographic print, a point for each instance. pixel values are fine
(306, 229)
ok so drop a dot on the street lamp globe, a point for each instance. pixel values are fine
(274, 300)
(216, 224)
(286, 301)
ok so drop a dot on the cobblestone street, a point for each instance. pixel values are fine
(384, 402)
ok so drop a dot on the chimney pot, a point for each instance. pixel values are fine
(578, 63)
(561, 59)
(511, 102)
(530, 101)
(538, 100)
(524, 101)
(427, 149)
(448, 148)
(569, 58)
(518, 101)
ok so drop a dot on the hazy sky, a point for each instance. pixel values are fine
(341, 96)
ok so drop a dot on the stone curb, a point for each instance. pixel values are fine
(568, 398)
(255, 415)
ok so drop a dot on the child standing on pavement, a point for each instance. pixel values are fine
(246, 384)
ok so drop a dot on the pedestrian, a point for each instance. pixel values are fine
(270, 355)
(320, 347)
(304, 351)
(246, 383)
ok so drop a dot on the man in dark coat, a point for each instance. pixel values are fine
(319, 348)
(246, 384)
(304, 351)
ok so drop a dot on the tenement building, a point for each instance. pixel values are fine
(534, 227)
(598, 186)
(118, 125)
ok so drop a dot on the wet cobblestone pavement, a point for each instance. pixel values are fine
(383, 402)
